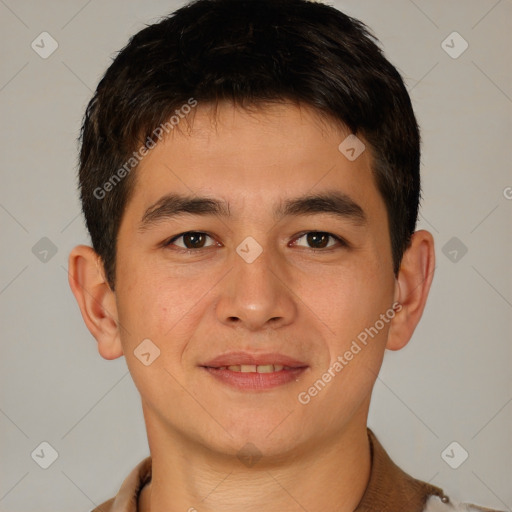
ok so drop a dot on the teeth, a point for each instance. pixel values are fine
(265, 368)
(261, 368)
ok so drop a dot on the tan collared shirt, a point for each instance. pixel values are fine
(389, 489)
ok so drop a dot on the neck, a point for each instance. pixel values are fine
(188, 477)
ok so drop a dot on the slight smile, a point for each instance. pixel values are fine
(254, 372)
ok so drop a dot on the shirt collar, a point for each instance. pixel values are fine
(390, 488)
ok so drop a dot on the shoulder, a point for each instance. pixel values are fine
(435, 504)
(104, 507)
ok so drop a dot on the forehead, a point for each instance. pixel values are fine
(254, 156)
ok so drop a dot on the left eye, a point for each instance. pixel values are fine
(319, 239)
(191, 240)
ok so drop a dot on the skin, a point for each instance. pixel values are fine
(297, 299)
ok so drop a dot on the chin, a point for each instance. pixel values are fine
(256, 437)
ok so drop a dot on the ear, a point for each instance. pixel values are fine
(96, 300)
(412, 287)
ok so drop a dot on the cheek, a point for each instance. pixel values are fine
(160, 304)
(352, 306)
(350, 299)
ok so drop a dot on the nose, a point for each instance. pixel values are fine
(257, 295)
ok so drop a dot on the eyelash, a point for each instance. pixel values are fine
(341, 242)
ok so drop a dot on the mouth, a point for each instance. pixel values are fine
(251, 368)
(254, 372)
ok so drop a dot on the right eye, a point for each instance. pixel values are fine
(191, 241)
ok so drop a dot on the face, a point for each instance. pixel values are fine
(264, 272)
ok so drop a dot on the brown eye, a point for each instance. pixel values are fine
(190, 240)
(319, 240)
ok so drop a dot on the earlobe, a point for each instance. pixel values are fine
(96, 300)
(412, 287)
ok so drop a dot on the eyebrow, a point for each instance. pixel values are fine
(174, 205)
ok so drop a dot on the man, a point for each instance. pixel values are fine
(249, 175)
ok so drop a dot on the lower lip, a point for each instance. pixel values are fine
(253, 381)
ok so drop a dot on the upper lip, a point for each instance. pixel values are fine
(239, 358)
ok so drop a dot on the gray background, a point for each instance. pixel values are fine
(451, 383)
